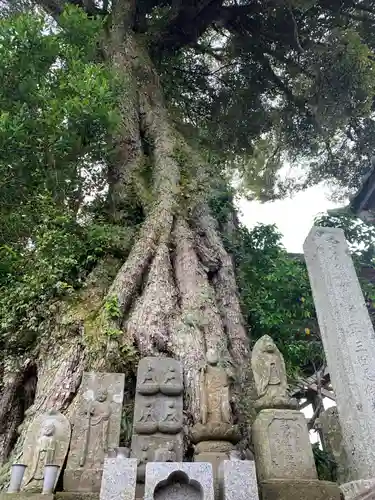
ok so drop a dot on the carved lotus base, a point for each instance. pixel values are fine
(269, 402)
(215, 432)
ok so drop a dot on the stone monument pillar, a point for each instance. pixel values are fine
(215, 434)
(283, 452)
(158, 413)
(96, 430)
(349, 343)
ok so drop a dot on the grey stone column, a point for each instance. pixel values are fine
(349, 343)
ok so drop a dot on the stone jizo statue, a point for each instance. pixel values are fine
(215, 410)
(214, 391)
(270, 379)
(97, 415)
(45, 451)
(47, 442)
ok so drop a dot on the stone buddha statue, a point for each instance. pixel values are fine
(97, 414)
(44, 452)
(214, 392)
(215, 409)
(270, 379)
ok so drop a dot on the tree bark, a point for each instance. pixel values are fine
(176, 291)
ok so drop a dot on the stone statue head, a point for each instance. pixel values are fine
(101, 395)
(212, 357)
(48, 429)
(269, 345)
(170, 446)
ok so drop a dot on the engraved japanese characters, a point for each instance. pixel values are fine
(158, 419)
(47, 442)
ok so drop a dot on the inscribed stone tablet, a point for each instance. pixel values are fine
(96, 430)
(282, 445)
(349, 343)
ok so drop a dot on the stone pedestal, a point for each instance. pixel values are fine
(291, 489)
(119, 479)
(282, 446)
(238, 480)
(349, 343)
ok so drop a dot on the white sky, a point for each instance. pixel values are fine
(293, 216)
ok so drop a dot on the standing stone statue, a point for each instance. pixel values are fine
(96, 430)
(46, 443)
(214, 435)
(96, 416)
(215, 413)
(269, 372)
(214, 392)
(158, 413)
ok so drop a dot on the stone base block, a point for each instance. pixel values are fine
(288, 489)
(85, 480)
(25, 495)
(71, 495)
(215, 459)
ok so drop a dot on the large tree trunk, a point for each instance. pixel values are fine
(175, 293)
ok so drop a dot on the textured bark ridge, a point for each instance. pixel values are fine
(175, 294)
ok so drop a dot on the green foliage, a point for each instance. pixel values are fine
(58, 108)
(112, 308)
(274, 291)
(325, 464)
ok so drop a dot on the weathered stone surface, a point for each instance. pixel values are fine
(279, 489)
(119, 479)
(213, 447)
(25, 495)
(349, 343)
(239, 480)
(282, 446)
(96, 430)
(162, 477)
(215, 415)
(76, 495)
(362, 488)
(47, 442)
(329, 425)
(269, 372)
(158, 413)
(215, 459)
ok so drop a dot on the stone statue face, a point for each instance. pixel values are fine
(170, 447)
(101, 396)
(212, 357)
(269, 347)
(48, 429)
